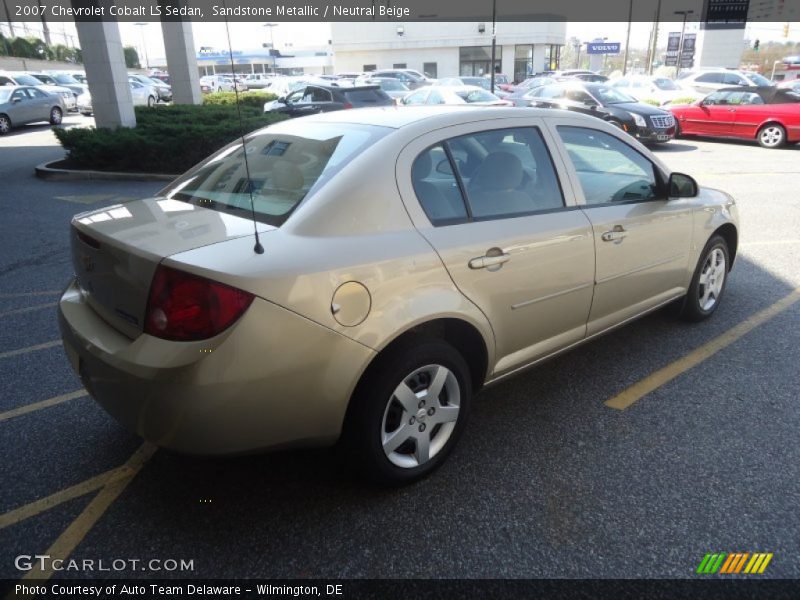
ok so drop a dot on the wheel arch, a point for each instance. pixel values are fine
(465, 337)
(730, 234)
(767, 123)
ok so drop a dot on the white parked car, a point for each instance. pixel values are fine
(223, 83)
(456, 94)
(661, 89)
(143, 95)
(705, 81)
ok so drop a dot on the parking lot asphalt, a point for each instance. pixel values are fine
(548, 481)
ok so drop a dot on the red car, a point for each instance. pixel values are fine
(768, 114)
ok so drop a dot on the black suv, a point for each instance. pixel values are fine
(314, 99)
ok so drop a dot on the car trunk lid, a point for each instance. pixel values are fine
(115, 251)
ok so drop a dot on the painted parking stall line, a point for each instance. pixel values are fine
(29, 408)
(27, 309)
(44, 346)
(655, 380)
(83, 524)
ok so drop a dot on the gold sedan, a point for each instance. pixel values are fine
(362, 274)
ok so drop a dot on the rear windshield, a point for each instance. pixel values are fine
(471, 96)
(366, 96)
(287, 163)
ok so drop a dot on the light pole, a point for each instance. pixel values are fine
(652, 52)
(494, 41)
(627, 40)
(685, 14)
(144, 47)
(272, 45)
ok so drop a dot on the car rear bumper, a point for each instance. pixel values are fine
(273, 379)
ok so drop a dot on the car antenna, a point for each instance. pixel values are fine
(258, 248)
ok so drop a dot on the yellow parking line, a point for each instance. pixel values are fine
(654, 381)
(82, 525)
(18, 311)
(26, 294)
(65, 495)
(29, 408)
(30, 349)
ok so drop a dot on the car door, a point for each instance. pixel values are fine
(507, 231)
(716, 114)
(22, 110)
(641, 237)
(706, 83)
(749, 114)
(41, 104)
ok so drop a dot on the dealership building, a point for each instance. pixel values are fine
(448, 49)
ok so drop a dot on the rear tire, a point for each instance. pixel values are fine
(56, 116)
(408, 411)
(5, 124)
(771, 135)
(709, 281)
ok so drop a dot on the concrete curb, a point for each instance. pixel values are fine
(45, 171)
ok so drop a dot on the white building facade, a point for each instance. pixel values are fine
(448, 49)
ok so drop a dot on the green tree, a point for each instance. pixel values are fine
(131, 58)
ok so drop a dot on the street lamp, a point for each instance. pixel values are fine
(144, 47)
(685, 14)
(494, 43)
(272, 45)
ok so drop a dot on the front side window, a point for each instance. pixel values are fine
(287, 163)
(609, 170)
(34, 93)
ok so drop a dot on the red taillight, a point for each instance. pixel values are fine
(347, 105)
(185, 307)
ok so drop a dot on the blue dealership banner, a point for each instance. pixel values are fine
(603, 47)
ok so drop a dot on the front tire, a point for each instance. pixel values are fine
(56, 116)
(709, 281)
(151, 102)
(408, 412)
(772, 136)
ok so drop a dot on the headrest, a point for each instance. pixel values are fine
(498, 171)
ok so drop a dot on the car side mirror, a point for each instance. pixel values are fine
(282, 100)
(16, 100)
(682, 186)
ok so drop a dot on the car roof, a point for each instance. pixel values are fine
(397, 117)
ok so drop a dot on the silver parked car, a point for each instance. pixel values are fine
(404, 258)
(24, 104)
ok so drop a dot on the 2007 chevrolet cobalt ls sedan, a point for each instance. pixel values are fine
(404, 258)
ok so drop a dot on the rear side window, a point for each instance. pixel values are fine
(710, 78)
(366, 96)
(609, 170)
(502, 173)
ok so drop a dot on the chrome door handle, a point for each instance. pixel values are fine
(489, 260)
(615, 235)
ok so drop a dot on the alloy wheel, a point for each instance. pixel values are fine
(420, 416)
(55, 116)
(771, 136)
(5, 125)
(712, 278)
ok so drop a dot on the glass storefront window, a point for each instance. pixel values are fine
(475, 61)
